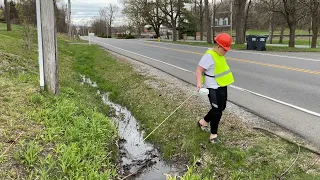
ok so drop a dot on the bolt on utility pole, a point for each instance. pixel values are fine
(47, 46)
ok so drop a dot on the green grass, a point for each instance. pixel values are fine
(243, 47)
(298, 40)
(68, 137)
(65, 136)
(266, 32)
(264, 156)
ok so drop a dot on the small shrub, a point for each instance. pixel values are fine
(130, 37)
(28, 33)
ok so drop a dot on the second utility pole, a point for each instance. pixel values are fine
(69, 18)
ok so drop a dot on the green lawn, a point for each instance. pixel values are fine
(266, 32)
(70, 137)
(63, 137)
(243, 47)
(264, 158)
(298, 41)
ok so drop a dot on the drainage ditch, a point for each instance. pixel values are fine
(138, 159)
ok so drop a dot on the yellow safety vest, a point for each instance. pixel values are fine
(222, 72)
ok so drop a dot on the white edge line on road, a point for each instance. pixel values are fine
(278, 101)
(235, 87)
(146, 57)
(263, 54)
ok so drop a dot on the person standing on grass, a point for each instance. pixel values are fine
(214, 73)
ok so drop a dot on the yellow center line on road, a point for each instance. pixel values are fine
(236, 59)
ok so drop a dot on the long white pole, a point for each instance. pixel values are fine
(40, 58)
(107, 29)
(89, 38)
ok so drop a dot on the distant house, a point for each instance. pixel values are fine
(222, 21)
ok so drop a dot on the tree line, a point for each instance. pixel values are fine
(186, 17)
(24, 12)
(102, 25)
(191, 16)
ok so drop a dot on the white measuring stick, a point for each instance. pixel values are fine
(202, 91)
(168, 117)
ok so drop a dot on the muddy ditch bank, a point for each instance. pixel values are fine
(137, 159)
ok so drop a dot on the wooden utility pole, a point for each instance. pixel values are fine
(7, 13)
(69, 19)
(208, 19)
(48, 45)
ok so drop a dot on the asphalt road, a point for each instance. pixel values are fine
(281, 87)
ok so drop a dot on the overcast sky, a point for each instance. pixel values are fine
(84, 10)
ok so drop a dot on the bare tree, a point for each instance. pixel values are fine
(134, 12)
(314, 10)
(109, 13)
(195, 16)
(1, 13)
(61, 14)
(27, 15)
(102, 22)
(7, 13)
(240, 20)
(208, 19)
(153, 15)
(97, 25)
(216, 6)
(292, 14)
(245, 27)
(27, 12)
(172, 9)
(145, 12)
(271, 6)
(200, 18)
(198, 15)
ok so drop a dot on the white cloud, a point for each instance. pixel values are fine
(85, 10)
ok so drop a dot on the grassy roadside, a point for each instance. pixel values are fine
(243, 47)
(60, 137)
(68, 136)
(246, 154)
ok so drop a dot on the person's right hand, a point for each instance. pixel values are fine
(199, 85)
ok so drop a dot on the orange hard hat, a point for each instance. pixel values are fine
(224, 40)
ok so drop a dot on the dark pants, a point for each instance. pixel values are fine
(218, 101)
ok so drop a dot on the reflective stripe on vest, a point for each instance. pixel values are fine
(219, 75)
(223, 74)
